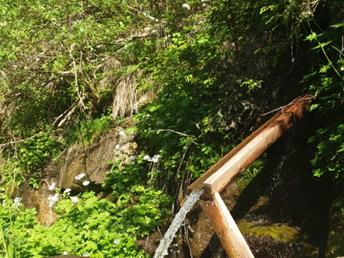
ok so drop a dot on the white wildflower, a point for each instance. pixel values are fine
(67, 191)
(186, 6)
(155, 158)
(80, 176)
(52, 199)
(121, 133)
(52, 186)
(86, 183)
(232, 124)
(116, 242)
(74, 199)
(17, 202)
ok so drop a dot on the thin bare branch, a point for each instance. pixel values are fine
(150, 17)
(17, 141)
(174, 131)
(282, 107)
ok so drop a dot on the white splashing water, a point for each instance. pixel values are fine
(191, 200)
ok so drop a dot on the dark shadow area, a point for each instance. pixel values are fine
(295, 196)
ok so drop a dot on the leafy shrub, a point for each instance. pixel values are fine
(186, 123)
(327, 83)
(34, 153)
(329, 155)
(120, 178)
(16, 224)
(88, 130)
(93, 226)
(12, 176)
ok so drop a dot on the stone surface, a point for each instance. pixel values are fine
(117, 145)
(95, 160)
(202, 229)
(203, 232)
(150, 243)
(38, 199)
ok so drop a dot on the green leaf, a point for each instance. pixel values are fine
(267, 8)
(324, 68)
(312, 36)
(322, 45)
(337, 25)
(314, 107)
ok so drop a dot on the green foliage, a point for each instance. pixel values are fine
(11, 176)
(213, 68)
(326, 81)
(251, 84)
(190, 137)
(122, 178)
(35, 152)
(56, 61)
(25, 162)
(329, 156)
(88, 130)
(13, 219)
(95, 227)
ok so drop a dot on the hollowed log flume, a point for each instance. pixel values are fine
(226, 169)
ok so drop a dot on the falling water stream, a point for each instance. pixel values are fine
(191, 200)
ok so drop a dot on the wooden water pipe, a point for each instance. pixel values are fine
(220, 175)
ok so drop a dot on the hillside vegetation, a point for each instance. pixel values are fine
(192, 77)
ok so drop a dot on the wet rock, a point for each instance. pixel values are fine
(202, 231)
(277, 231)
(150, 243)
(267, 247)
(268, 239)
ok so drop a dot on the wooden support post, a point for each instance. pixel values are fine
(225, 227)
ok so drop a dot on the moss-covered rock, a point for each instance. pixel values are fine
(277, 231)
(268, 239)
